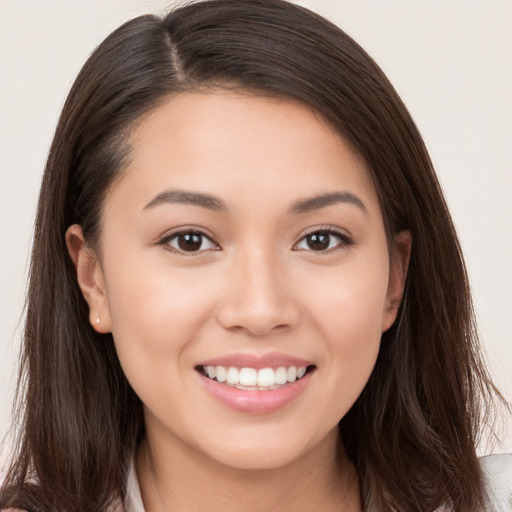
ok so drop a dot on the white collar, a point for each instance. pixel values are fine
(133, 498)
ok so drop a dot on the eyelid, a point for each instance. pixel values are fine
(346, 239)
(164, 239)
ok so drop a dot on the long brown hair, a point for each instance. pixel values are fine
(412, 432)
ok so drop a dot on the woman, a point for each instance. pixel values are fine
(246, 290)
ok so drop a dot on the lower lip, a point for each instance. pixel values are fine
(256, 402)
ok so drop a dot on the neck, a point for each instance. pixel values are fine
(322, 479)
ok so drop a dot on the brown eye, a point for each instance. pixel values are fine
(190, 241)
(318, 241)
(323, 240)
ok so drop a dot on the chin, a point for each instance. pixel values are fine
(262, 453)
(256, 460)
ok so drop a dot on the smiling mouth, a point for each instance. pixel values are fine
(252, 379)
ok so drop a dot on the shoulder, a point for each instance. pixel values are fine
(497, 471)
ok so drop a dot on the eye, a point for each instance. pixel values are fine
(323, 240)
(189, 241)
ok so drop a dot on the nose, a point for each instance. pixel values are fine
(258, 297)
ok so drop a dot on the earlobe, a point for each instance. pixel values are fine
(90, 278)
(399, 265)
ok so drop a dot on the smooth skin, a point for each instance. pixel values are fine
(267, 270)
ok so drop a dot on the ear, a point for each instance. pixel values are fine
(90, 279)
(399, 263)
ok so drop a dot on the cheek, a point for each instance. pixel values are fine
(352, 327)
(349, 304)
(348, 310)
(149, 297)
(156, 313)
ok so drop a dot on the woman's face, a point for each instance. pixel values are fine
(244, 240)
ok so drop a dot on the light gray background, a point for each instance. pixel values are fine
(450, 60)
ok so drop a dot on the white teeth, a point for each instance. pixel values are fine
(292, 374)
(211, 371)
(281, 375)
(221, 373)
(248, 377)
(266, 377)
(252, 379)
(233, 376)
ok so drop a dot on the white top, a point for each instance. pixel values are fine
(498, 477)
(497, 472)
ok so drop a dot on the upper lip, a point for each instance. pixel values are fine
(257, 361)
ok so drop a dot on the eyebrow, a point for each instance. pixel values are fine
(185, 197)
(216, 204)
(323, 200)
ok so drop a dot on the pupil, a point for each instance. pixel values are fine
(318, 241)
(189, 242)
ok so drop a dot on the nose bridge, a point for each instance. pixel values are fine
(257, 297)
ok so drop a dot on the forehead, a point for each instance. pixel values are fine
(225, 142)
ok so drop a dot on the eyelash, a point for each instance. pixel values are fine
(167, 239)
(344, 240)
